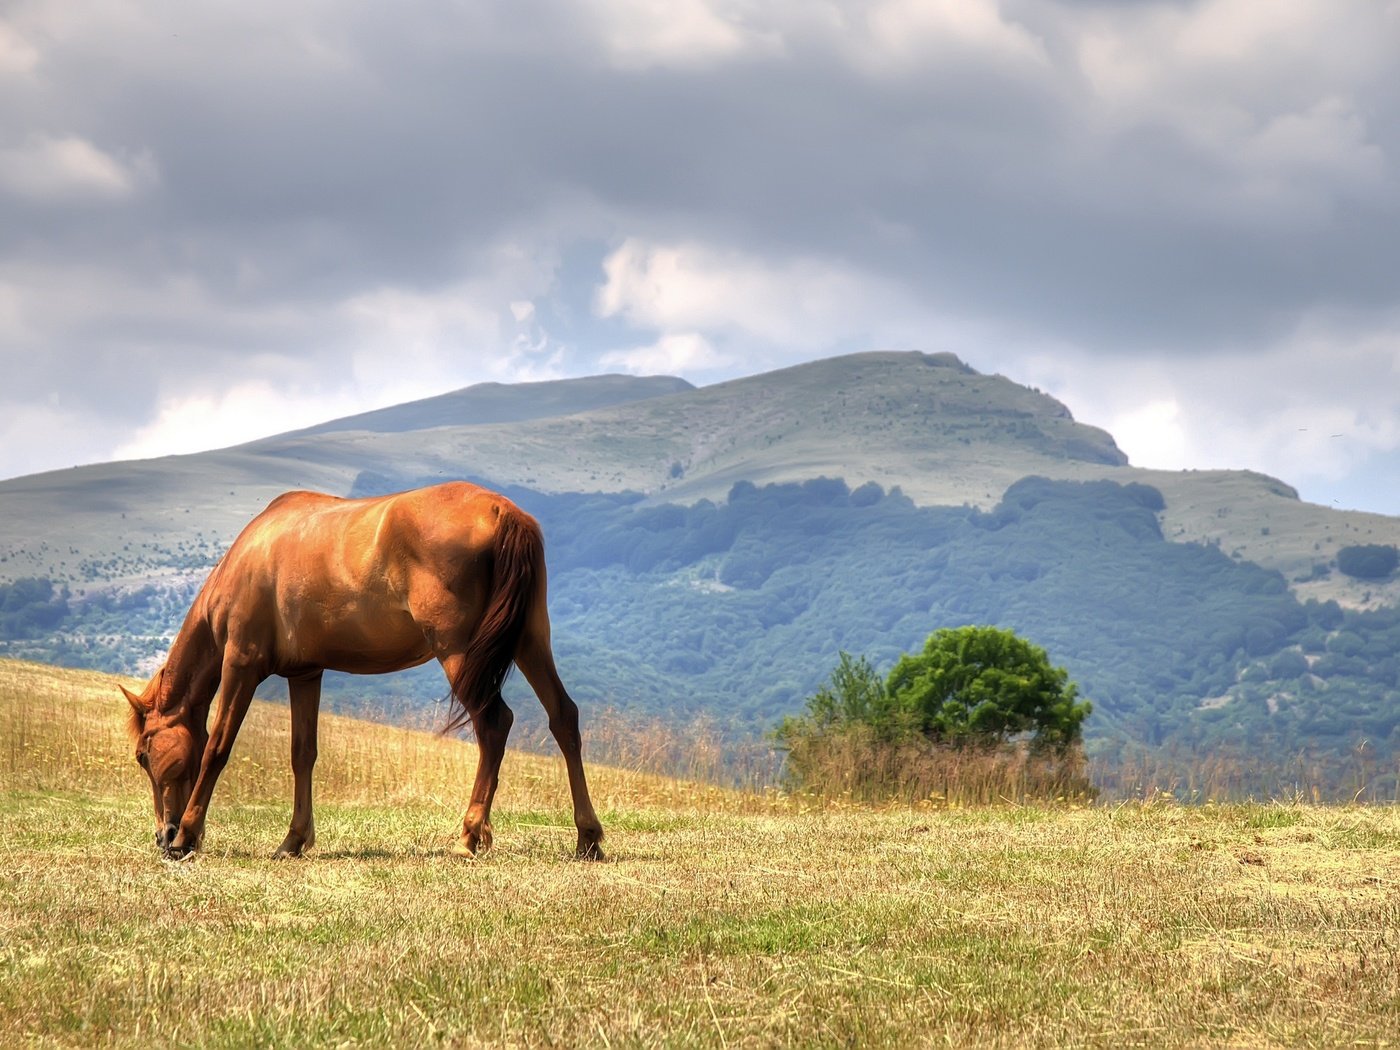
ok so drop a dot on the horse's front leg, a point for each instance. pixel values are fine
(306, 705)
(235, 694)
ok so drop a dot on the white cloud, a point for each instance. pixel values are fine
(913, 32)
(18, 56)
(410, 325)
(242, 412)
(687, 353)
(1151, 433)
(639, 34)
(66, 169)
(47, 435)
(1329, 139)
(798, 303)
(1327, 399)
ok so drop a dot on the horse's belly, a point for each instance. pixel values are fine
(359, 639)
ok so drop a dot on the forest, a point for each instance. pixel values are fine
(739, 610)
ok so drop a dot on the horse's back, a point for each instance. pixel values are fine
(315, 578)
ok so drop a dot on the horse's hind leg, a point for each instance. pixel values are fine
(492, 726)
(536, 663)
(306, 704)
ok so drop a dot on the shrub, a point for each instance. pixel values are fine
(1369, 561)
(979, 715)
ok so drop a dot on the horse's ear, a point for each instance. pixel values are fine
(136, 723)
(137, 704)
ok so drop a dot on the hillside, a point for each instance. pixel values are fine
(711, 550)
(722, 919)
(943, 433)
(506, 403)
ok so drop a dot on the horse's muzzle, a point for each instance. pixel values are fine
(166, 835)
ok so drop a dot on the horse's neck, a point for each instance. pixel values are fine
(191, 672)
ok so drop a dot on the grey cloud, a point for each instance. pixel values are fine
(307, 155)
(415, 142)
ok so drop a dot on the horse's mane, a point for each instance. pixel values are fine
(136, 719)
(135, 723)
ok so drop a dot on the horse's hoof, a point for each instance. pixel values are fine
(473, 843)
(589, 851)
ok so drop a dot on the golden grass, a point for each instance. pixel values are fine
(854, 763)
(66, 731)
(720, 920)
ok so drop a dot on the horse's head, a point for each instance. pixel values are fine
(167, 750)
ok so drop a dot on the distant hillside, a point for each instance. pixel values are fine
(506, 403)
(711, 550)
(943, 433)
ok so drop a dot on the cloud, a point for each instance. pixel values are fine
(673, 354)
(49, 435)
(18, 57)
(1328, 403)
(501, 190)
(195, 422)
(686, 34)
(796, 303)
(50, 169)
(912, 32)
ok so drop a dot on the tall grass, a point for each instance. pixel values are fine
(854, 763)
(66, 731)
(1233, 774)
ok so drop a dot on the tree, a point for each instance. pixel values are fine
(1369, 561)
(854, 695)
(982, 685)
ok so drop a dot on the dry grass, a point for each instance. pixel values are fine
(720, 920)
(853, 763)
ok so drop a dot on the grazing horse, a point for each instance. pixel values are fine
(452, 572)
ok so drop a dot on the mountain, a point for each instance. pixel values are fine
(506, 403)
(712, 549)
(943, 433)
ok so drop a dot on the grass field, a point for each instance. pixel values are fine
(720, 919)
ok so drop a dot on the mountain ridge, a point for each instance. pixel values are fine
(942, 432)
(504, 403)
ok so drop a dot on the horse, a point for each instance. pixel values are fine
(452, 572)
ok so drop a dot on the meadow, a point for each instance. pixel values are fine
(720, 918)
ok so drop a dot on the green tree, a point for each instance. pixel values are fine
(854, 695)
(982, 685)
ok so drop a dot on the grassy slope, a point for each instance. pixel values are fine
(507, 403)
(946, 435)
(720, 920)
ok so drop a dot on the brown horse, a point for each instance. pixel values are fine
(315, 582)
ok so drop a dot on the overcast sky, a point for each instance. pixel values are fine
(1181, 218)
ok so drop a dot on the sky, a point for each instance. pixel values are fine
(1179, 217)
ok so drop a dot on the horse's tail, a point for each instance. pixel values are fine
(517, 560)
